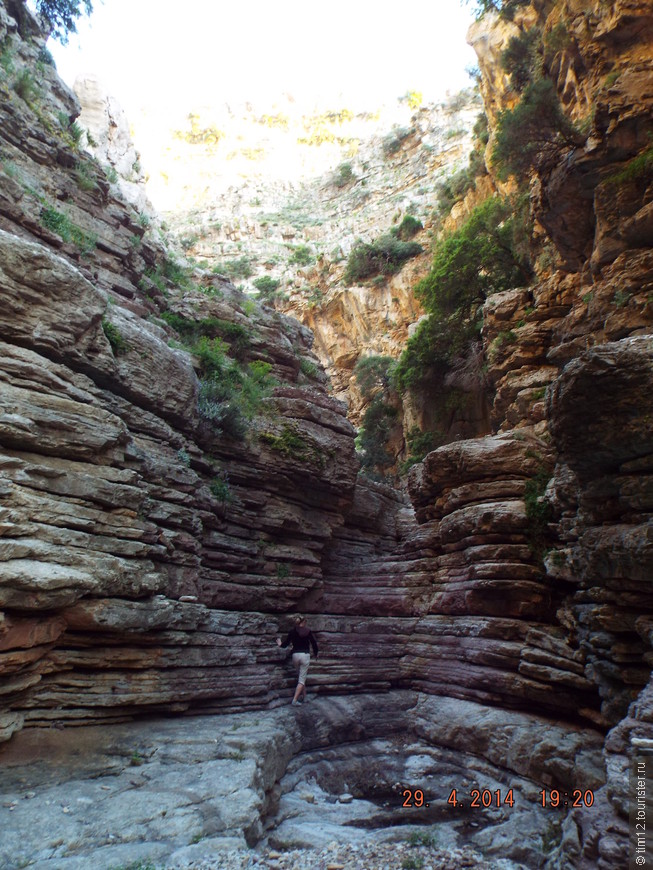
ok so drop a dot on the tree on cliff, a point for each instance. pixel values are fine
(61, 15)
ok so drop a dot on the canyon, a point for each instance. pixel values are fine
(179, 475)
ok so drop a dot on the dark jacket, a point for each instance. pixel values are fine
(300, 638)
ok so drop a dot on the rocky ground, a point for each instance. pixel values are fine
(237, 791)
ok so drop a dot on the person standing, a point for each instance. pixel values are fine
(302, 640)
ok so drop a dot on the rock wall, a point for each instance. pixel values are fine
(149, 559)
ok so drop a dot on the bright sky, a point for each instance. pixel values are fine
(158, 52)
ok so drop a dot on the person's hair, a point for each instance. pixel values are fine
(298, 619)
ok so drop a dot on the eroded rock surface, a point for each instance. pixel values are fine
(149, 557)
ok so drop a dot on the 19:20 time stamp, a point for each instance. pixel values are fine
(485, 798)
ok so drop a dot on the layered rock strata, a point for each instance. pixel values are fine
(148, 558)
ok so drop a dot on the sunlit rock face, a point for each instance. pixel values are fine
(108, 138)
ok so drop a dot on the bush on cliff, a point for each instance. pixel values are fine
(230, 395)
(486, 255)
(522, 58)
(384, 256)
(373, 373)
(534, 128)
(372, 439)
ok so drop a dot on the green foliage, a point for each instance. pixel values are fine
(433, 347)
(236, 335)
(394, 140)
(61, 224)
(76, 131)
(267, 286)
(639, 169)
(538, 511)
(111, 174)
(114, 337)
(372, 439)
(230, 394)
(535, 125)
(484, 255)
(522, 58)
(385, 255)
(7, 58)
(183, 457)
(408, 227)
(344, 175)
(175, 272)
(219, 487)
(412, 862)
(557, 39)
(25, 86)
(373, 373)
(61, 16)
(301, 256)
(291, 444)
(240, 268)
(309, 369)
(475, 260)
(506, 337)
(84, 178)
(419, 443)
(422, 838)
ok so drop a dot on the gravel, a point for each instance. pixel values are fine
(368, 856)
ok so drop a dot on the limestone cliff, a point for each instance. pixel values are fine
(156, 526)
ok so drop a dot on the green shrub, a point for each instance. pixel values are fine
(372, 439)
(7, 59)
(309, 369)
(61, 224)
(394, 140)
(240, 268)
(25, 86)
(557, 39)
(301, 256)
(291, 444)
(84, 178)
(267, 286)
(639, 169)
(230, 394)
(373, 373)
(419, 444)
(219, 487)
(114, 337)
(506, 8)
(409, 227)
(477, 259)
(535, 125)
(111, 174)
(175, 272)
(344, 175)
(484, 255)
(522, 58)
(538, 511)
(236, 335)
(385, 255)
(76, 132)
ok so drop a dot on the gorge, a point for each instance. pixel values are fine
(177, 478)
